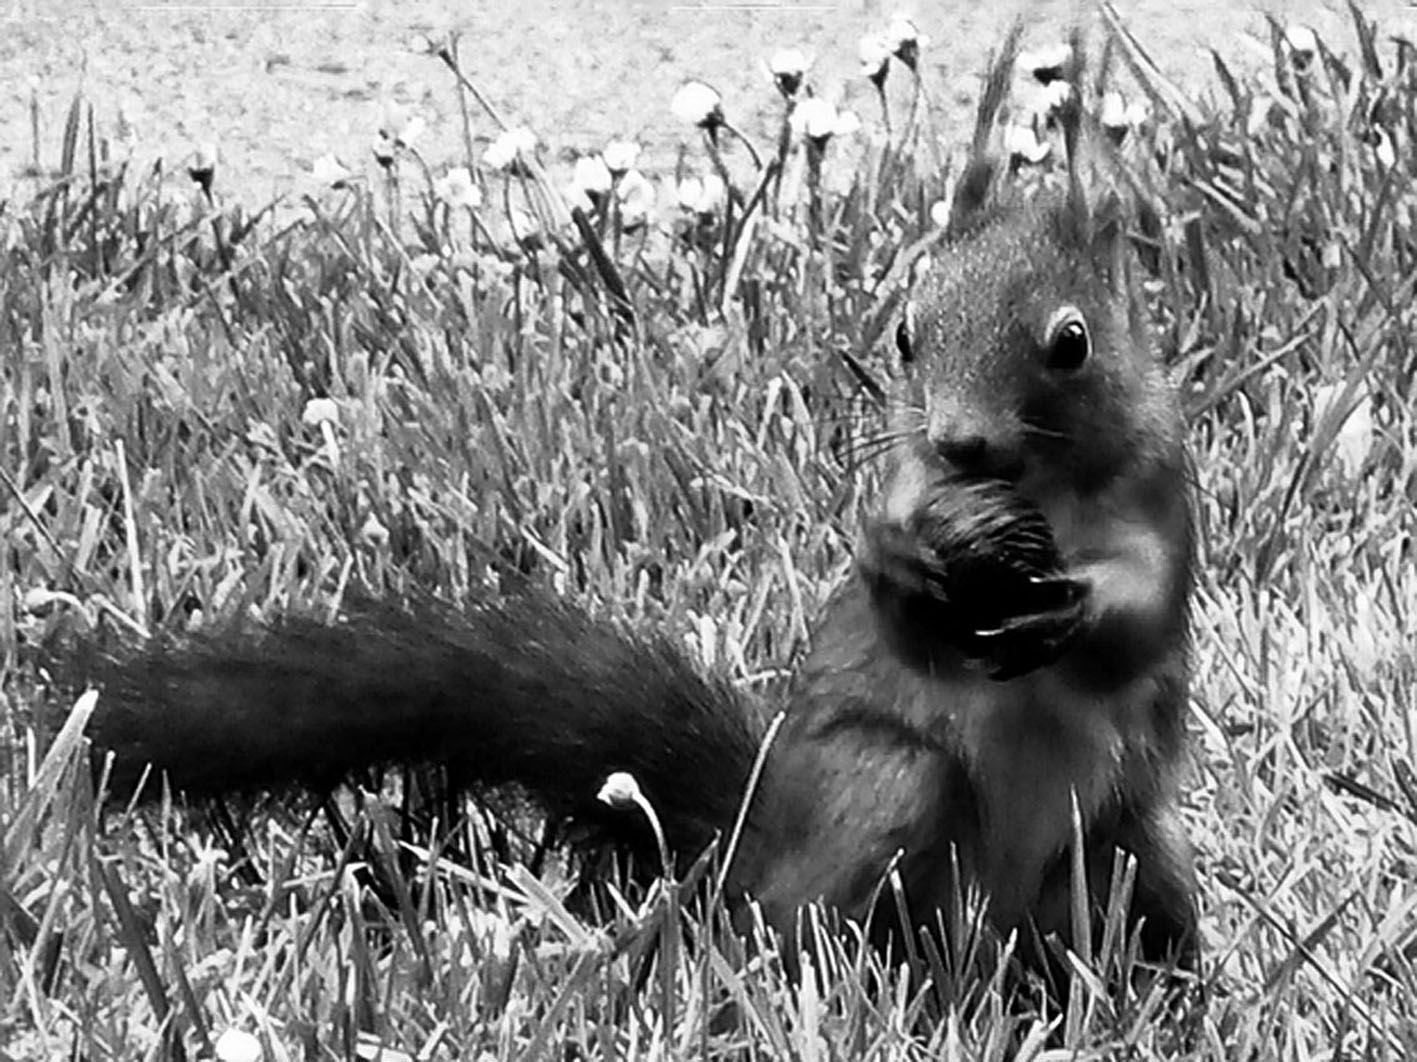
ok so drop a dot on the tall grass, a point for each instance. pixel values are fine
(675, 422)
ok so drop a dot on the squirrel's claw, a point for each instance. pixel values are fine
(1029, 640)
(1006, 621)
(1066, 591)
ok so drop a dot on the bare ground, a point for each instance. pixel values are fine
(277, 84)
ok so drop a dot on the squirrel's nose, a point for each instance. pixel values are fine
(973, 438)
(976, 455)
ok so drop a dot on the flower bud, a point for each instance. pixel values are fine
(698, 104)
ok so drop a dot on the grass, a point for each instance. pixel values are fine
(673, 422)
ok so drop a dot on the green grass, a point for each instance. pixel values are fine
(672, 424)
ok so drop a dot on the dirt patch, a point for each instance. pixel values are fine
(279, 84)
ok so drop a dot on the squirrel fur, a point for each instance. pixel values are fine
(1013, 639)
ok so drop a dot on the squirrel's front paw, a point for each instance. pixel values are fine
(898, 563)
(1047, 614)
(976, 570)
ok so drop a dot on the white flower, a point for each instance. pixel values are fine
(327, 169)
(526, 230)
(576, 197)
(1302, 43)
(620, 790)
(698, 104)
(847, 122)
(1117, 117)
(1383, 148)
(458, 189)
(392, 118)
(818, 120)
(411, 132)
(131, 114)
(494, 932)
(905, 40)
(201, 166)
(788, 67)
(424, 264)
(320, 411)
(592, 176)
(1113, 112)
(237, 1045)
(208, 860)
(1266, 115)
(715, 194)
(621, 156)
(636, 196)
(940, 213)
(204, 156)
(814, 118)
(1054, 96)
(510, 146)
(373, 533)
(875, 52)
(399, 126)
(384, 151)
(1353, 438)
(789, 62)
(1048, 63)
(689, 193)
(702, 195)
(1021, 142)
(324, 414)
(902, 30)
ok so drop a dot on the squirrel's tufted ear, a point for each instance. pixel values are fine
(974, 194)
(1108, 206)
(1095, 222)
(1105, 207)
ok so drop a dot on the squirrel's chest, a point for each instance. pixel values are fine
(896, 758)
(1029, 747)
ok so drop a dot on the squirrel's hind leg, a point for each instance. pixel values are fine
(1162, 909)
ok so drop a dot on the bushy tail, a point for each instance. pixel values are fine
(529, 691)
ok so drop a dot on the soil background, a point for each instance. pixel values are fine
(277, 84)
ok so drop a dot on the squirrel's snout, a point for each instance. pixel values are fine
(974, 439)
(978, 456)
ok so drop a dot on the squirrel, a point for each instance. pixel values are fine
(1011, 645)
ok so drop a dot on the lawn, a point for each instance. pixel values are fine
(659, 404)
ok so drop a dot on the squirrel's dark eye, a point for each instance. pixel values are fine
(1069, 343)
(902, 342)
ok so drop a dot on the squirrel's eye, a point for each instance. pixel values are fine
(902, 342)
(1069, 344)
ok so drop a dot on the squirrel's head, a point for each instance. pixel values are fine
(1024, 342)
(1025, 350)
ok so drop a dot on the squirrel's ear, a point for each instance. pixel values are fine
(1071, 116)
(974, 193)
(1109, 226)
(1109, 208)
(1095, 222)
